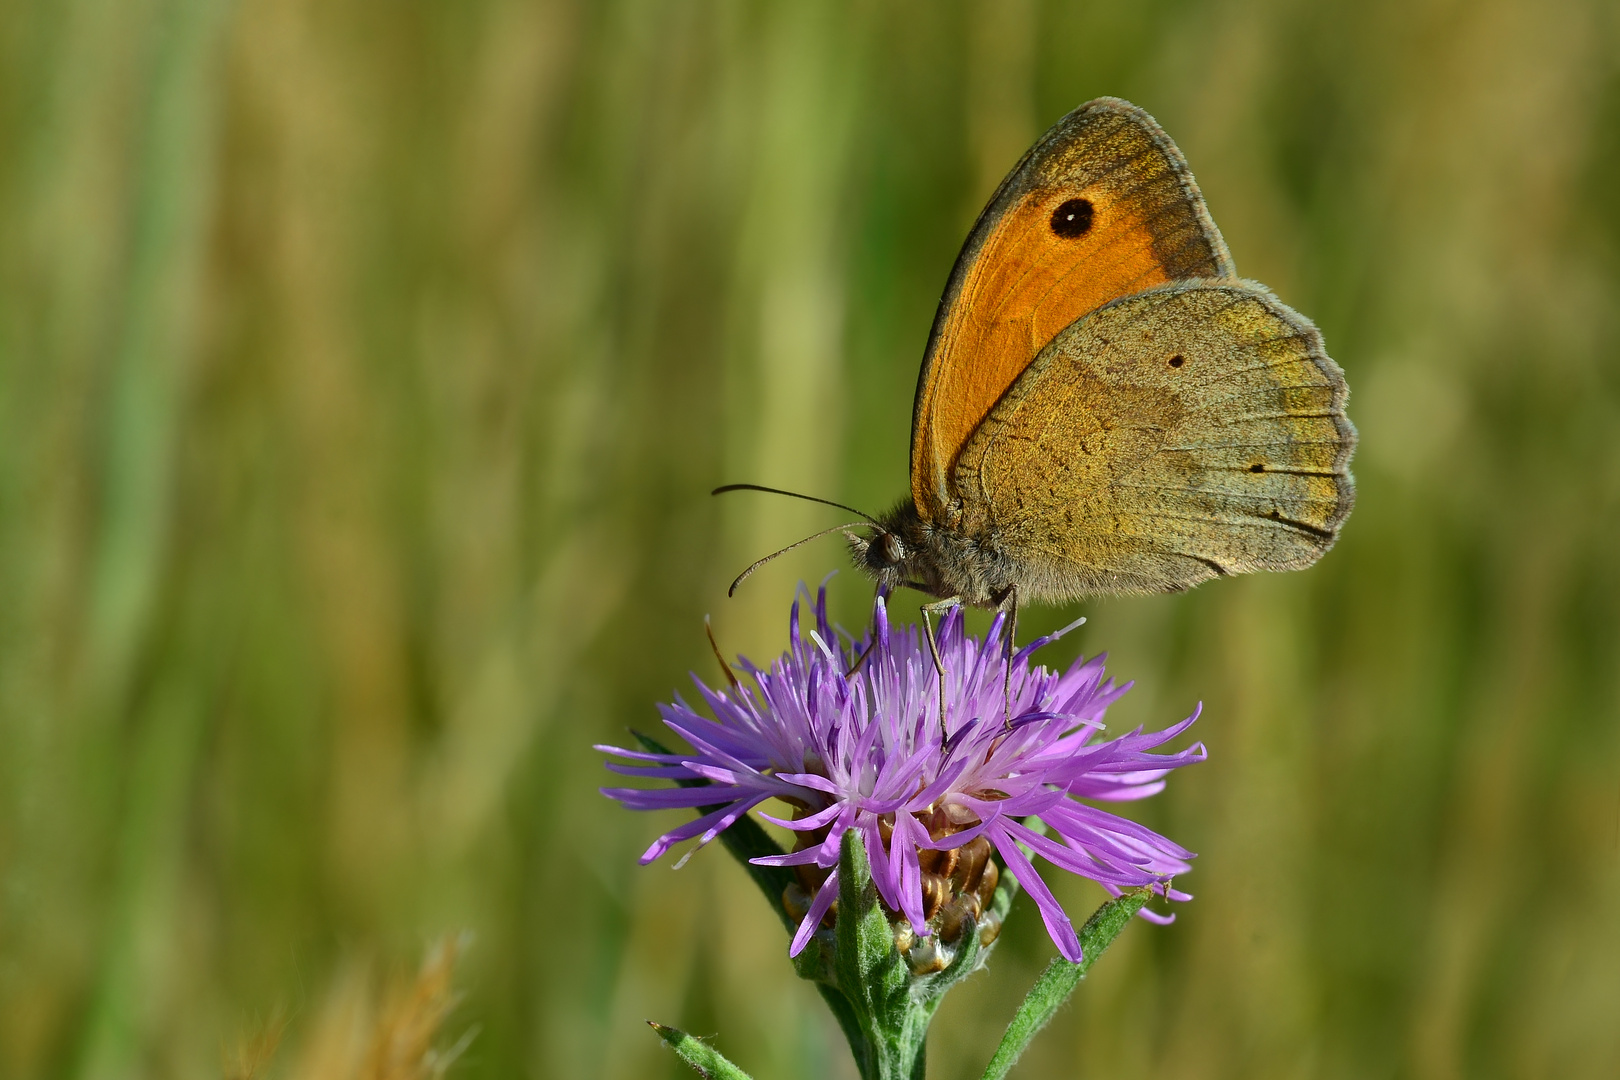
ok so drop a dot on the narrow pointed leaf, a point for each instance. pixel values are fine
(1060, 978)
(708, 1061)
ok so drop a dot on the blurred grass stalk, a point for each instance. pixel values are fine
(126, 301)
(361, 1034)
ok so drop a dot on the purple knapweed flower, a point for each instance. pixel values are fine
(852, 739)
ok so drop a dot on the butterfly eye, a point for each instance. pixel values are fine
(1073, 218)
(893, 549)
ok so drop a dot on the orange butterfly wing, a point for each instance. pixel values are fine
(1101, 207)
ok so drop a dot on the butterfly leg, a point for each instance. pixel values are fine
(928, 612)
(1008, 603)
(860, 661)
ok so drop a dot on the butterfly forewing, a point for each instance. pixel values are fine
(1102, 207)
(1192, 431)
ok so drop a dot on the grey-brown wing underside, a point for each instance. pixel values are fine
(1184, 433)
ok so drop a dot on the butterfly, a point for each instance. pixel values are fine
(1104, 407)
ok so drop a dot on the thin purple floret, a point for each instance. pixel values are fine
(865, 750)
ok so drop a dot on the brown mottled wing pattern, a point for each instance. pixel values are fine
(1018, 282)
(1190, 432)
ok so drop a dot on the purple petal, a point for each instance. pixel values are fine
(639, 755)
(726, 814)
(806, 824)
(680, 798)
(818, 910)
(796, 858)
(657, 772)
(1052, 913)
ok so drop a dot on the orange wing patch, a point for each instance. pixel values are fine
(1103, 206)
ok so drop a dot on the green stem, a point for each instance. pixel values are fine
(745, 840)
(1060, 978)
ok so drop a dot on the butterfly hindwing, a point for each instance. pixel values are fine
(1186, 433)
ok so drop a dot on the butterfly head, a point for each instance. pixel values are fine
(904, 551)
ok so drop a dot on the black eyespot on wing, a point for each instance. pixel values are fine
(1073, 218)
(1177, 360)
(1258, 466)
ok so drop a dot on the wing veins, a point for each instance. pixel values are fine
(1301, 526)
(1247, 445)
(1255, 495)
(1252, 417)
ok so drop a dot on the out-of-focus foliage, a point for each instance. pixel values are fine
(364, 365)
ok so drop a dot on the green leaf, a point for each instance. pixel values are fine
(708, 1061)
(1060, 978)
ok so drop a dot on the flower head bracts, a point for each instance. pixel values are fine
(853, 743)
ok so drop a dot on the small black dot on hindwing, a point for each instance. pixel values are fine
(1177, 360)
(1258, 466)
(1073, 218)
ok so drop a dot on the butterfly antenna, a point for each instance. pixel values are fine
(742, 577)
(795, 495)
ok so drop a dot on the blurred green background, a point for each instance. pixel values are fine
(364, 367)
